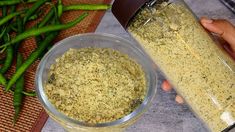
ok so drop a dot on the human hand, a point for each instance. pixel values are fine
(222, 28)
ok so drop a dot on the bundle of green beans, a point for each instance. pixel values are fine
(14, 21)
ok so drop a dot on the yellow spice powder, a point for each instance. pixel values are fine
(95, 85)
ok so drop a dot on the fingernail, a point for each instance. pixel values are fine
(206, 20)
(179, 99)
(166, 86)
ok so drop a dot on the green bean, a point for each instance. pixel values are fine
(2, 60)
(12, 8)
(13, 28)
(33, 17)
(60, 8)
(13, 2)
(9, 29)
(19, 24)
(14, 24)
(9, 56)
(32, 93)
(43, 23)
(9, 2)
(86, 7)
(19, 30)
(38, 31)
(33, 57)
(18, 96)
(3, 80)
(8, 61)
(33, 9)
(10, 50)
(4, 11)
(3, 32)
(26, 93)
(46, 18)
(9, 17)
(38, 39)
(31, 1)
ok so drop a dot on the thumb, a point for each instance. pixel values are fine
(221, 27)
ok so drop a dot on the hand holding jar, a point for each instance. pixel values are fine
(225, 30)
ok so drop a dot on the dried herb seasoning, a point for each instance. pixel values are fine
(96, 85)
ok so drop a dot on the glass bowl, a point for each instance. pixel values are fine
(100, 41)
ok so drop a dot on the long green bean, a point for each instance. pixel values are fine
(8, 61)
(33, 9)
(13, 28)
(3, 80)
(60, 8)
(45, 31)
(9, 51)
(87, 7)
(19, 25)
(9, 2)
(42, 23)
(2, 60)
(12, 8)
(9, 17)
(4, 11)
(32, 94)
(34, 55)
(9, 56)
(34, 17)
(26, 93)
(31, 1)
(46, 18)
(20, 29)
(3, 32)
(18, 95)
(14, 2)
(38, 31)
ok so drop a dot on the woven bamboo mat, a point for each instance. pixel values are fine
(32, 117)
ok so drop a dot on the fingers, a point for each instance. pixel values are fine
(166, 86)
(179, 99)
(221, 27)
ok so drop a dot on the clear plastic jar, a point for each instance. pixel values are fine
(194, 64)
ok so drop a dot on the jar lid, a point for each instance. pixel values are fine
(124, 10)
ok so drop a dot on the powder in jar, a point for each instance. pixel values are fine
(95, 85)
(200, 71)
